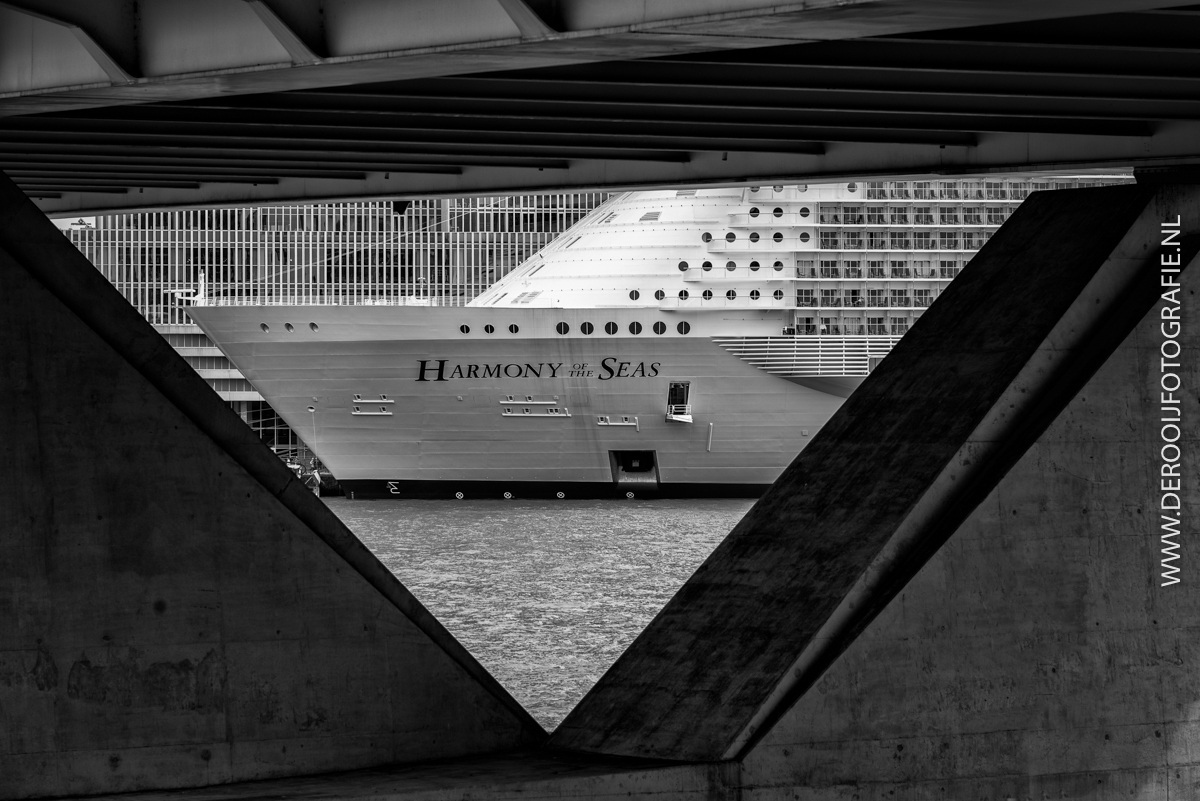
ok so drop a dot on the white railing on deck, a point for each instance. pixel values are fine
(810, 355)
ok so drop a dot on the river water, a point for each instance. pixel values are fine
(545, 594)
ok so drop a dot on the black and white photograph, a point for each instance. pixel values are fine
(500, 400)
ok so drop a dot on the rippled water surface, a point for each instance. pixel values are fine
(546, 594)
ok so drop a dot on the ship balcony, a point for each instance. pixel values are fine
(679, 413)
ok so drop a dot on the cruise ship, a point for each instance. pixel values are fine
(672, 343)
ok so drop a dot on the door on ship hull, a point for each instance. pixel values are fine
(634, 467)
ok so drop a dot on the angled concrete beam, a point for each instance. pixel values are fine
(103, 58)
(300, 51)
(526, 19)
(176, 609)
(890, 477)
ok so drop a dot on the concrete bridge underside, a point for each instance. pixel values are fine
(118, 105)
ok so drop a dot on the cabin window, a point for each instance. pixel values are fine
(466, 329)
(635, 328)
(489, 328)
(660, 327)
(634, 294)
(683, 328)
(514, 328)
(659, 294)
(562, 328)
(586, 328)
(610, 328)
(683, 294)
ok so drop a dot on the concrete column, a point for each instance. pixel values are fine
(176, 610)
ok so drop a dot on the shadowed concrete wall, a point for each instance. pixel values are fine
(888, 479)
(174, 610)
(1037, 654)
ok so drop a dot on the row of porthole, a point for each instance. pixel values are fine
(266, 329)
(731, 294)
(754, 237)
(729, 265)
(587, 328)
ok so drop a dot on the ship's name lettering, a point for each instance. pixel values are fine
(611, 367)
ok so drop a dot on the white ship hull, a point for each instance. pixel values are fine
(398, 402)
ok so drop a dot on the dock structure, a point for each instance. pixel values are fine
(974, 582)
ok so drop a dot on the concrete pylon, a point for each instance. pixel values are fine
(892, 475)
(176, 609)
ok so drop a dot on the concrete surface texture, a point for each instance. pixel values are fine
(168, 618)
(1037, 655)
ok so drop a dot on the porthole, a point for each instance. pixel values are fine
(754, 266)
(777, 188)
(754, 236)
(489, 328)
(683, 266)
(514, 328)
(314, 408)
(754, 212)
(634, 295)
(562, 328)
(778, 266)
(777, 236)
(730, 237)
(755, 294)
(289, 327)
(266, 328)
(777, 294)
(466, 329)
(314, 327)
(659, 294)
(853, 187)
(706, 236)
(635, 328)
(731, 265)
(683, 328)
(707, 294)
(683, 294)
(804, 237)
(731, 294)
(587, 328)
(754, 189)
(804, 188)
(804, 211)
(660, 327)
(706, 266)
(610, 328)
